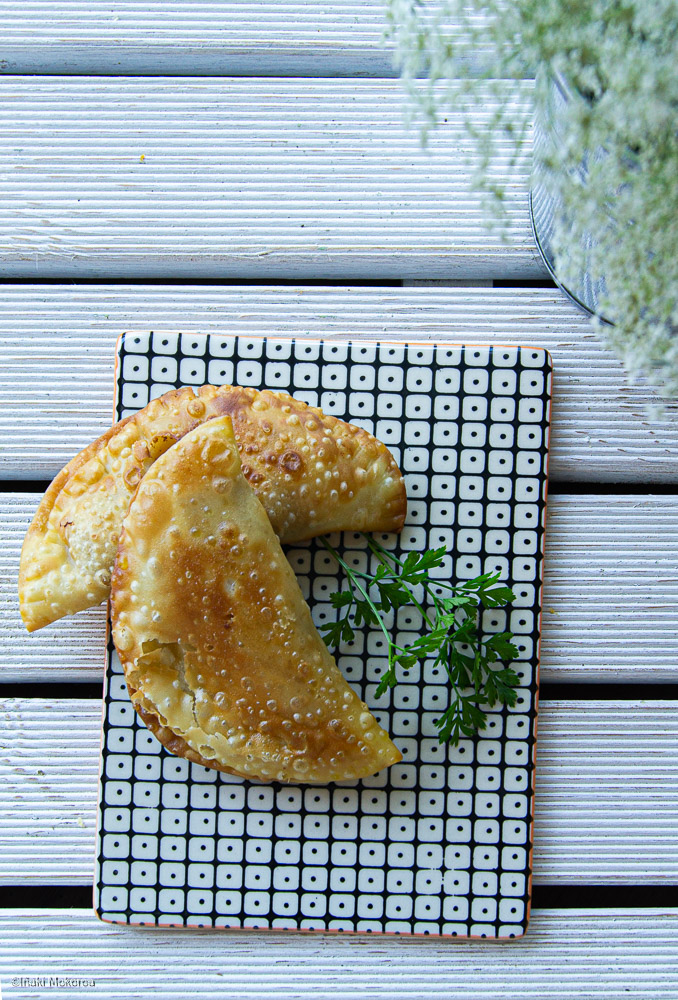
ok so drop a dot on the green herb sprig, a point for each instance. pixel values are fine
(451, 630)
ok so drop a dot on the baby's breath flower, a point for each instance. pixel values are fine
(616, 168)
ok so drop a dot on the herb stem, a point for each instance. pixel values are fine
(381, 553)
(450, 632)
(351, 574)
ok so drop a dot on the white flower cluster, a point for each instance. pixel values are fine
(616, 164)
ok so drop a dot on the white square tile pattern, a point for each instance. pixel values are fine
(439, 844)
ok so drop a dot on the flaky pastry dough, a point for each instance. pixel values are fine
(217, 643)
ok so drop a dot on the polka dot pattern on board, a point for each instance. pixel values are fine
(440, 843)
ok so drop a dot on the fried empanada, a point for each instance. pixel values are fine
(313, 473)
(217, 643)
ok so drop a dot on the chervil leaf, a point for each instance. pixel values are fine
(496, 597)
(341, 599)
(411, 560)
(480, 583)
(458, 601)
(407, 660)
(337, 632)
(365, 612)
(393, 595)
(389, 680)
(462, 718)
(502, 645)
(427, 560)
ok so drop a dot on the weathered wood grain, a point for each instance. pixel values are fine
(290, 179)
(566, 954)
(57, 344)
(242, 177)
(610, 597)
(279, 37)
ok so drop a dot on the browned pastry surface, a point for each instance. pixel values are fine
(214, 635)
(313, 473)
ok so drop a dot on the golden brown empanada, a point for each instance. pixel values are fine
(313, 473)
(215, 638)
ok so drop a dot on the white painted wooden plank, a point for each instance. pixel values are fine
(72, 649)
(610, 597)
(566, 954)
(281, 37)
(179, 177)
(57, 343)
(606, 799)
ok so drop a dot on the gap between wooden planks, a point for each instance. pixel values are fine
(606, 802)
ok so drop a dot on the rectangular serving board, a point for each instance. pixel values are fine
(439, 844)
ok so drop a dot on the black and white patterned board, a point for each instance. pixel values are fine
(441, 843)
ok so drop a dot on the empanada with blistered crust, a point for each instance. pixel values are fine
(313, 473)
(217, 643)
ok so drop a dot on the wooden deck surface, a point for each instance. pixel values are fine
(244, 167)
